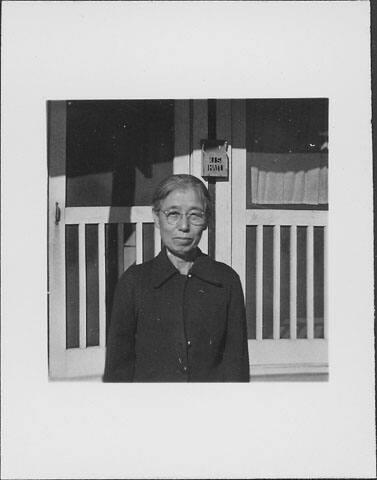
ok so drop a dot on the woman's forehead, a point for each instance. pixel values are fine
(188, 197)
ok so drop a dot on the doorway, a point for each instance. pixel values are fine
(276, 203)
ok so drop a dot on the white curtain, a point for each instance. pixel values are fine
(288, 178)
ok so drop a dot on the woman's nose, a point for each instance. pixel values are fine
(184, 223)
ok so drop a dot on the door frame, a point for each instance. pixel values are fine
(275, 356)
(190, 127)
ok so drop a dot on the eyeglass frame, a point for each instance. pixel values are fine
(187, 215)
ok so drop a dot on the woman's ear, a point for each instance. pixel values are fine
(156, 218)
(207, 222)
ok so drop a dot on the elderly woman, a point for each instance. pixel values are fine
(179, 317)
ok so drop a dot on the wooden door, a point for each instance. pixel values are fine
(280, 255)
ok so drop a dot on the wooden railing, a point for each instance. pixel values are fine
(293, 342)
(293, 220)
(102, 217)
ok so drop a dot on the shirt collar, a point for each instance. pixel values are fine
(204, 268)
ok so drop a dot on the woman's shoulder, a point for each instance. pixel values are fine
(224, 269)
(137, 271)
(215, 270)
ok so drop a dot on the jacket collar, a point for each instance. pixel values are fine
(204, 268)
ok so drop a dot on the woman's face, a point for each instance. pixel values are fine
(182, 237)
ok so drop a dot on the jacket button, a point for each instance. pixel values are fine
(185, 369)
(189, 275)
(189, 343)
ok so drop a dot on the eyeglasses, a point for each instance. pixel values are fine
(197, 218)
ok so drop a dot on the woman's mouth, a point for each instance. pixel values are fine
(183, 240)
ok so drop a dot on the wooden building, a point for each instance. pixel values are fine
(269, 222)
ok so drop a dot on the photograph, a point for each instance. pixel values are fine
(187, 240)
(222, 206)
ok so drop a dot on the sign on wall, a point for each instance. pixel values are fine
(214, 158)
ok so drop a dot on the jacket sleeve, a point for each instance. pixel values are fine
(120, 350)
(236, 355)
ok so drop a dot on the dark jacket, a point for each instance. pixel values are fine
(168, 327)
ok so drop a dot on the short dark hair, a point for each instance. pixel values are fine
(181, 181)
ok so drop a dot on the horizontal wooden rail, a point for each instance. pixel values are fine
(286, 217)
(73, 215)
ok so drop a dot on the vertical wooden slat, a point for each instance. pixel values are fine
(223, 189)
(157, 241)
(276, 291)
(82, 288)
(238, 173)
(102, 284)
(57, 144)
(325, 281)
(120, 243)
(293, 283)
(139, 242)
(310, 282)
(199, 132)
(259, 286)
